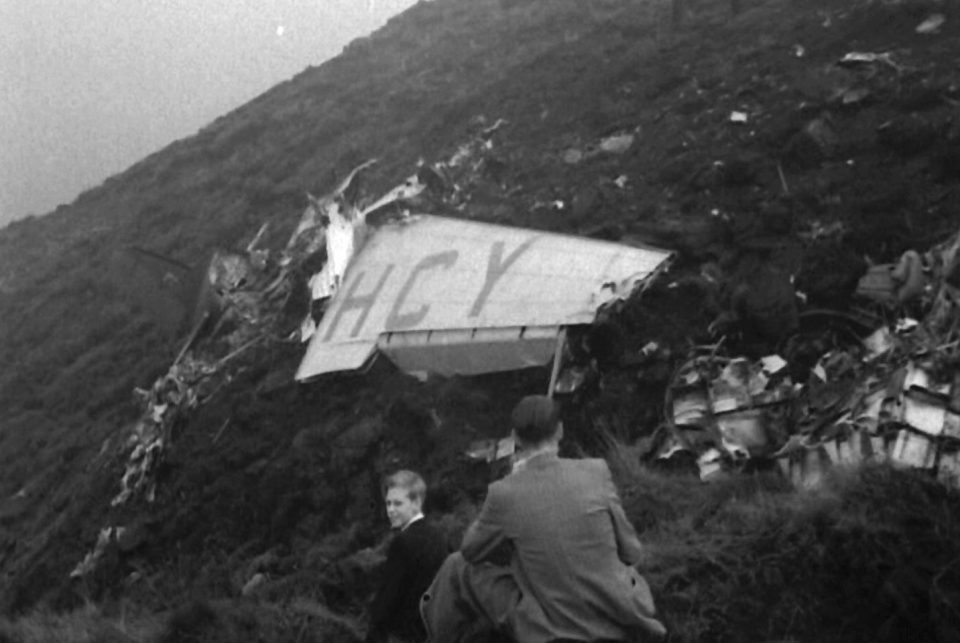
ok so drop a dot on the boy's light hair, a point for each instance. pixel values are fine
(409, 481)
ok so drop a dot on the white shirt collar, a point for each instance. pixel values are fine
(419, 516)
(521, 463)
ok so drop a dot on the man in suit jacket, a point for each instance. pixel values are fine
(571, 574)
(413, 558)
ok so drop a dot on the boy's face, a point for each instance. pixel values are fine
(400, 508)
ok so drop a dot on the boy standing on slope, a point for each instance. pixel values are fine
(413, 557)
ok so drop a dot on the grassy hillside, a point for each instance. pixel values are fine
(290, 485)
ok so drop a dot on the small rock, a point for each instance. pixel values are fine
(617, 144)
(572, 156)
(907, 135)
(585, 202)
(816, 142)
(130, 538)
(854, 95)
(253, 584)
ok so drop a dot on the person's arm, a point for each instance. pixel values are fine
(388, 595)
(628, 545)
(485, 535)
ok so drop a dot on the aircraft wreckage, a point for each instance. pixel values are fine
(436, 294)
(447, 296)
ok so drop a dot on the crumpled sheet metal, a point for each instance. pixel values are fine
(340, 228)
(89, 563)
(907, 424)
(926, 277)
(908, 419)
(309, 235)
(344, 235)
(409, 189)
(248, 290)
(805, 462)
(732, 403)
(491, 450)
(896, 398)
(170, 397)
(228, 271)
(854, 58)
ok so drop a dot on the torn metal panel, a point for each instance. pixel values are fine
(913, 450)
(924, 411)
(878, 343)
(772, 364)
(919, 378)
(344, 235)
(691, 407)
(308, 237)
(428, 273)
(334, 224)
(409, 189)
(228, 271)
(470, 352)
(492, 450)
(744, 433)
(854, 58)
(343, 356)
(307, 328)
(867, 416)
(710, 464)
(732, 389)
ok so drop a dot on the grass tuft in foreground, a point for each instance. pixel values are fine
(872, 555)
(85, 625)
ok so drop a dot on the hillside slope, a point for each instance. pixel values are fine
(867, 151)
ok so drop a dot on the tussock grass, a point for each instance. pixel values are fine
(249, 621)
(872, 555)
(85, 625)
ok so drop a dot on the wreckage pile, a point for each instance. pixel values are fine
(241, 491)
(254, 298)
(894, 396)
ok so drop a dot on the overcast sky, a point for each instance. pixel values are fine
(89, 87)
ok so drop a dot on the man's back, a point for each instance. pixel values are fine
(573, 549)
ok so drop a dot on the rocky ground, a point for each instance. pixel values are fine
(778, 165)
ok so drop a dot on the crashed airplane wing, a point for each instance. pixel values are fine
(452, 296)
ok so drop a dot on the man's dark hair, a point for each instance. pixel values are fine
(535, 418)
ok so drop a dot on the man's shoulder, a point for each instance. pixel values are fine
(587, 463)
(596, 466)
(580, 467)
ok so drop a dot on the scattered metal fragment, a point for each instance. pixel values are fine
(894, 396)
(932, 24)
(868, 58)
(491, 450)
